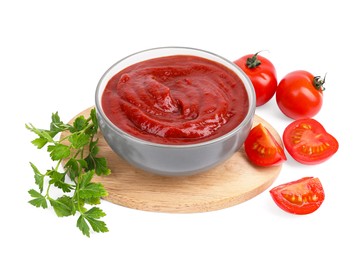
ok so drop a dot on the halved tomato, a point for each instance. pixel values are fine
(262, 149)
(303, 196)
(307, 141)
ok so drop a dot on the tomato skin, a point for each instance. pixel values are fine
(263, 77)
(307, 141)
(297, 97)
(301, 197)
(262, 149)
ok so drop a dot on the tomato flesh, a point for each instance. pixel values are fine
(262, 149)
(307, 141)
(302, 196)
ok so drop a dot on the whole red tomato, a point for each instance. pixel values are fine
(299, 94)
(262, 74)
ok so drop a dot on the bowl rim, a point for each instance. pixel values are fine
(241, 74)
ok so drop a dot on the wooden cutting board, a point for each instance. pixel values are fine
(226, 185)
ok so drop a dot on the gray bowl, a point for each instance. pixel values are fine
(173, 160)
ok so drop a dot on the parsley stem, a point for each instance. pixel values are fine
(47, 192)
(77, 194)
(58, 164)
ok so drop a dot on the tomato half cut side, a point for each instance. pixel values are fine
(262, 149)
(301, 197)
(307, 141)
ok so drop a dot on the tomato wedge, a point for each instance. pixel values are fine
(307, 141)
(302, 196)
(262, 149)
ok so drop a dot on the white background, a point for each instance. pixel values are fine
(52, 54)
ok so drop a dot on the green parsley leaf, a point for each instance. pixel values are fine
(83, 226)
(92, 200)
(45, 134)
(93, 148)
(39, 200)
(85, 178)
(58, 179)
(92, 190)
(59, 151)
(74, 167)
(57, 125)
(95, 163)
(101, 166)
(63, 206)
(95, 213)
(79, 124)
(40, 142)
(39, 178)
(88, 189)
(97, 225)
(79, 140)
(93, 130)
(92, 216)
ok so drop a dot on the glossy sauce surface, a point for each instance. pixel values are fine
(178, 99)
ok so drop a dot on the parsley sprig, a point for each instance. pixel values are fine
(77, 149)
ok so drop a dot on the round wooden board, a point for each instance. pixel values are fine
(226, 185)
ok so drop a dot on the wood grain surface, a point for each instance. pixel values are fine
(226, 185)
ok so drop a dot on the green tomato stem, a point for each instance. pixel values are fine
(319, 82)
(253, 61)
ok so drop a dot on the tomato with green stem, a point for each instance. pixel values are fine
(302, 196)
(307, 141)
(300, 94)
(262, 149)
(262, 74)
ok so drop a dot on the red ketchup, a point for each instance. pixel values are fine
(179, 99)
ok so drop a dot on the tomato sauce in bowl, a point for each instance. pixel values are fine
(175, 111)
(177, 99)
